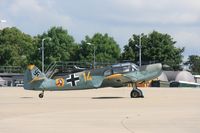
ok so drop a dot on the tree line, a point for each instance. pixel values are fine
(19, 49)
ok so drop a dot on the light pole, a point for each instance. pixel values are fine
(93, 53)
(140, 50)
(43, 52)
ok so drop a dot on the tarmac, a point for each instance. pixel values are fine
(108, 110)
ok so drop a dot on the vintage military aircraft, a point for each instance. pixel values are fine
(111, 76)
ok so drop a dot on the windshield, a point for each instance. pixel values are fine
(121, 68)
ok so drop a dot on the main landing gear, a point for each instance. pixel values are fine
(41, 95)
(136, 93)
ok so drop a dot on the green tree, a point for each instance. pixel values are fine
(106, 48)
(194, 63)
(15, 47)
(61, 47)
(156, 47)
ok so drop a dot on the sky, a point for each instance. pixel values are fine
(119, 18)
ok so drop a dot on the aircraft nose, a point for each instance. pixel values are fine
(157, 66)
(152, 67)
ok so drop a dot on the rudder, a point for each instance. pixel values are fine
(31, 75)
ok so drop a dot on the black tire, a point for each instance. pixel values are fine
(141, 94)
(41, 95)
(136, 93)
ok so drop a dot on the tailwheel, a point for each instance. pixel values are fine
(136, 93)
(41, 95)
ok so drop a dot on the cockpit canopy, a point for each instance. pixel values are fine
(121, 68)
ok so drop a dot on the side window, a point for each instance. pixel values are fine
(134, 68)
(117, 70)
(126, 68)
(107, 73)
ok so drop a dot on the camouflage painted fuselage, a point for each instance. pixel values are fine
(112, 76)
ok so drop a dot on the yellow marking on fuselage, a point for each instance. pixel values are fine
(30, 67)
(87, 76)
(114, 76)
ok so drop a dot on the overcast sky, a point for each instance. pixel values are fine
(119, 18)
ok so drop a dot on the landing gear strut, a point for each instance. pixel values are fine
(136, 93)
(41, 95)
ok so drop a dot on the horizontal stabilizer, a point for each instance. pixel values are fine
(36, 79)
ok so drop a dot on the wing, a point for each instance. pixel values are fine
(97, 81)
(122, 78)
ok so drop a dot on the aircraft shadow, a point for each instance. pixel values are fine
(107, 97)
(26, 97)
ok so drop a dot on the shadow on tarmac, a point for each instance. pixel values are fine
(107, 97)
(26, 97)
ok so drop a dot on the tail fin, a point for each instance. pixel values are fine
(32, 74)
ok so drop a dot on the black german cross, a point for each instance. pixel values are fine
(72, 79)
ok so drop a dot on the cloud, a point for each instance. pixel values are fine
(190, 40)
(118, 18)
(33, 16)
(169, 12)
(19, 6)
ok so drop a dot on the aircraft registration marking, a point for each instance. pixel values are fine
(87, 76)
(60, 82)
(72, 80)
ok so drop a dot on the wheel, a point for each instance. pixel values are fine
(41, 95)
(141, 94)
(136, 93)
